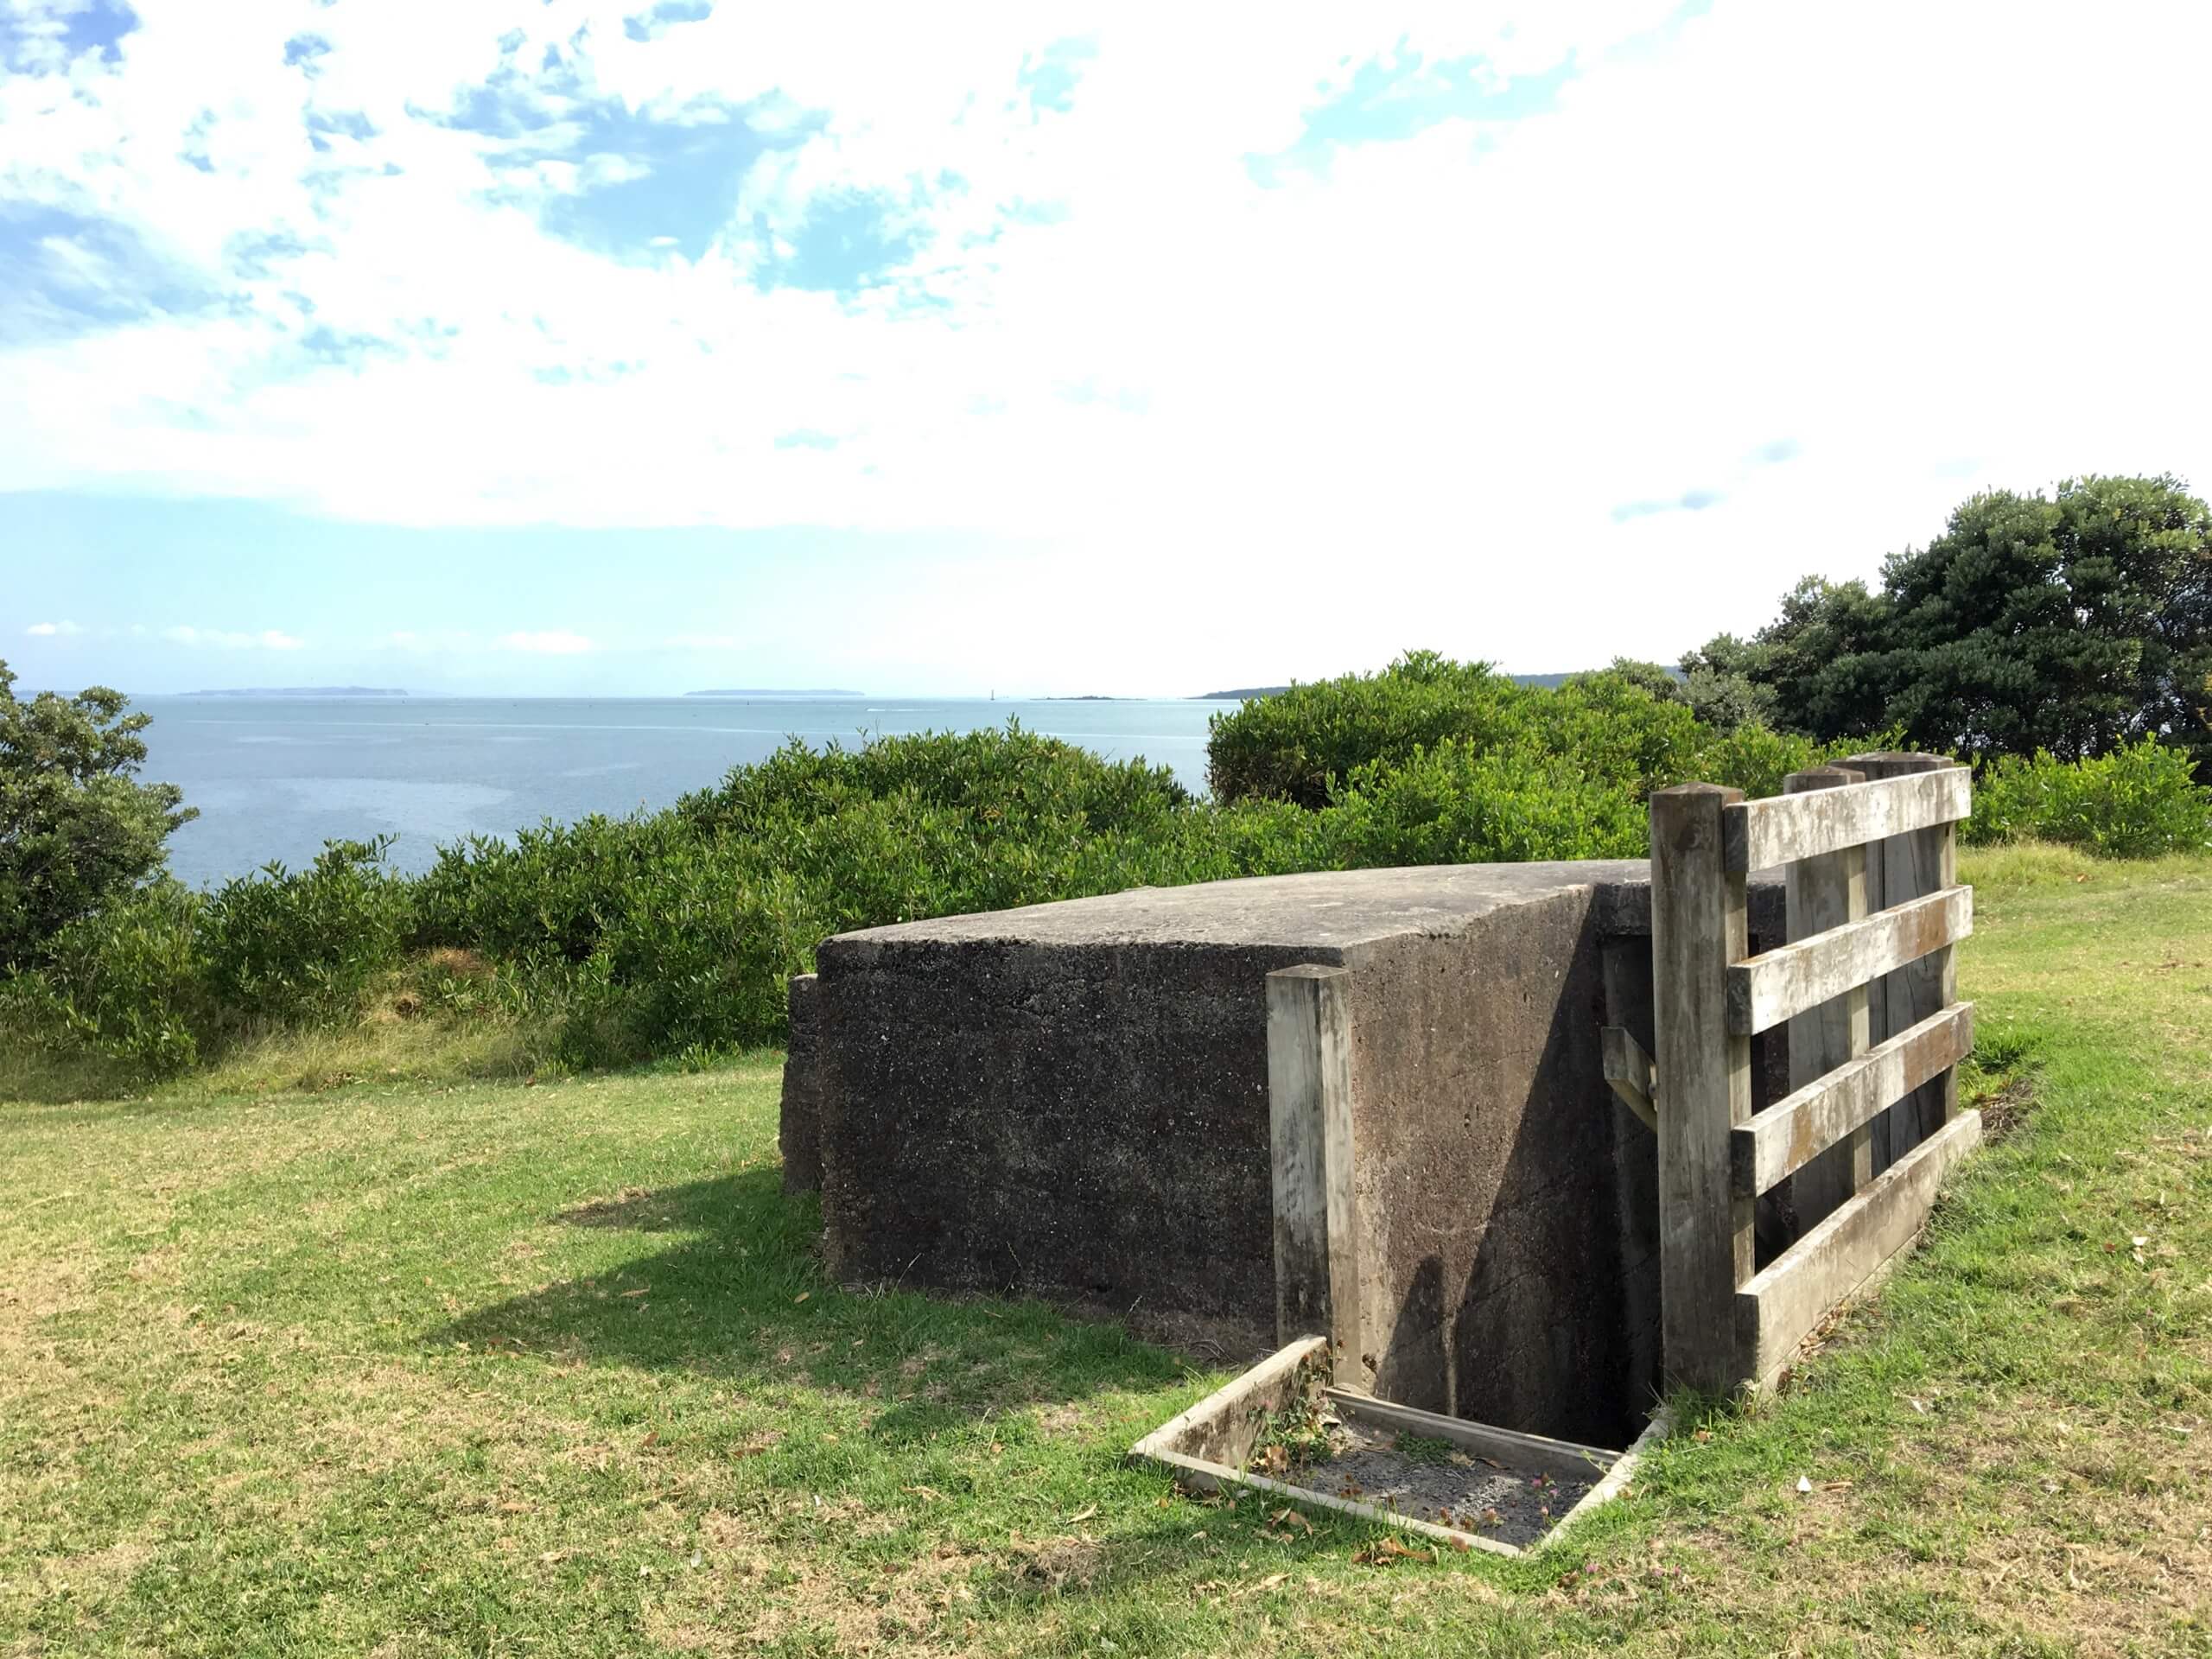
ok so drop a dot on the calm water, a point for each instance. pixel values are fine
(276, 778)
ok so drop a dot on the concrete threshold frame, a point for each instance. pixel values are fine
(1209, 1447)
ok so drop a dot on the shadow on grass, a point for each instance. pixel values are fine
(737, 1294)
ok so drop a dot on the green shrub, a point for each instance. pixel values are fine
(2138, 802)
(1621, 729)
(1459, 804)
(612, 941)
(985, 775)
(546, 895)
(164, 977)
(127, 982)
(290, 947)
(1288, 747)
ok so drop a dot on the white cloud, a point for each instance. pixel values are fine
(50, 630)
(184, 633)
(552, 642)
(1418, 379)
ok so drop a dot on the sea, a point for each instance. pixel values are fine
(274, 777)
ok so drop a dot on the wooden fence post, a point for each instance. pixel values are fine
(1699, 928)
(1903, 867)
(1309, 1115)
(1824, 893)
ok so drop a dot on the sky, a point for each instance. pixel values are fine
(615, 346)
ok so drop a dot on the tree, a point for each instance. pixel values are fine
(2076, 624)
(76, 828)
(1724, 698)
(1818, 668)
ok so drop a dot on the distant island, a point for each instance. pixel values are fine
(1091, 696)
(301, 691)
(774, 691)
(1550, 682)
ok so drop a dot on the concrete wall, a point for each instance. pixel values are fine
(1070, 1101)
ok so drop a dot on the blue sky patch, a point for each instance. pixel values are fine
(1688, 501)
(665, 185)
(652, 25)
(648, 181)
(1049, 77)
(1390, 100)
(848, 242)
(63, 275)
(327, 346)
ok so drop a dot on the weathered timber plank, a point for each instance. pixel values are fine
(1794, 1290)
(1783, 828)
(1536, 1452)
(1826, 891)
(1631, 1072)
(1309, 1118)
(1796, 1130)
(1923, 862)
(1699, 926)
(1767, 989)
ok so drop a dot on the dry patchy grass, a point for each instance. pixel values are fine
(411, 1367)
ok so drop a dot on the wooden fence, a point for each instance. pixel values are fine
(1866, 987)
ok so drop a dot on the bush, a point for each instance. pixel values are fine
(2138, 802)
(127, 982)
(1287, 746)
(1631, 728)
(164, 977)
(618, 940)
(985, 775)
(292, 947)
(1459, 805)
(546, 896)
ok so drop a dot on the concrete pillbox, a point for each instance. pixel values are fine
(1070, 1101)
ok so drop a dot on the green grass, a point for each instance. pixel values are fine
(410, 1366)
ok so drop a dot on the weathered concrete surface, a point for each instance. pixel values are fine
(799, 1132)
(1070, 1101)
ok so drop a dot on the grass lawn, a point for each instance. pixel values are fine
(425, 1367)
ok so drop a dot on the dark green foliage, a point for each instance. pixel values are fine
(2139, 802)
(985, 775)
(1287, 746)
(162, 976)
(1459, 805)
(673, 933)
(76, 828)
(127, 982)
(1613, 726)
(680, 928)
(1820, 662)
(293, 947)
(548, 894)
(1721, 698)
(2076, 624)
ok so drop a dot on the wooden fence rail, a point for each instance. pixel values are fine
(1867, 986)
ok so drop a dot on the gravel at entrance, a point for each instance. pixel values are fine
(1447, 1486)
